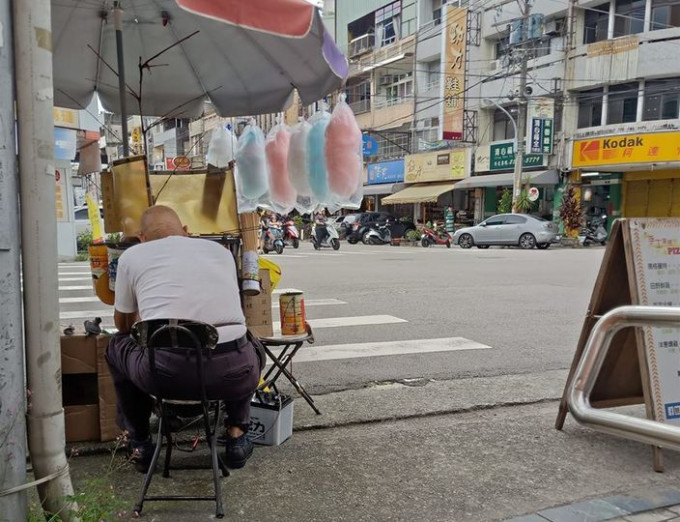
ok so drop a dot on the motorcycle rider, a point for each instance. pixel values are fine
(320, 223)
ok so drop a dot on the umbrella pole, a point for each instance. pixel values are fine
(118, 25)
(33, 73)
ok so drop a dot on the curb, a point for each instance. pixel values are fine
(607, 508)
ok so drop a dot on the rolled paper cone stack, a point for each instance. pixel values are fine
(250, 270)
(250, 223)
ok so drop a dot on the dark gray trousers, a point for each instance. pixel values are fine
(229, 376)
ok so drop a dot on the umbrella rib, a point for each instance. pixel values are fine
(99, 50)
(186, 57)
(111, 69)
(147, 63)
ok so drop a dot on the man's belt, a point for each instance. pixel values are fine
(231, 345)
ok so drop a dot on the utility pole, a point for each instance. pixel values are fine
(521, 103)
(34, 100)
(13, 404)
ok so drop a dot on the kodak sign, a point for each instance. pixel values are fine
(627, 148)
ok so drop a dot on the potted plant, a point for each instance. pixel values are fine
(570, 214)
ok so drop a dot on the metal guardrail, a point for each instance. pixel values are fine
(599, 342)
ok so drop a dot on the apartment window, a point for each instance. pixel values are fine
(590, 108)
(622, 106)
(437, 11)
(503, 47)
(428, 132)
(596, 22)
(503, 127)
(662, 100)
(359, 96)
(388, 24)
(434, 73)
(665, 13)
(630, 17)
(539, 48)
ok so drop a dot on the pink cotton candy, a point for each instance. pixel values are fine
(343, 151)
(281, 190)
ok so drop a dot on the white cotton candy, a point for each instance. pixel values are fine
(222, 147)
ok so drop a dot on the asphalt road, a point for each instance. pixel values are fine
(525, 307)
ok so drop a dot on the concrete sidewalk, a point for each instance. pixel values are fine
(424, 451)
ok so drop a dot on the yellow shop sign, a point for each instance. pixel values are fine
(443, 165)
(626, 148)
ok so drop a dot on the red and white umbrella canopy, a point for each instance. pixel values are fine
(246, 56)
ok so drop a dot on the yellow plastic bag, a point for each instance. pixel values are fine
(274, 271)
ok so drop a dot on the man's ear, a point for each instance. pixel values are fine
(141, 237)
(186, 230)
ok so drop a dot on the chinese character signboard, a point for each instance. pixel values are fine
(437, 166)
(502, 157)
(453, 70)
(626, 148)
(540, 118)
(386, 172)
(656, 250)
(541, 137)
(67, 118)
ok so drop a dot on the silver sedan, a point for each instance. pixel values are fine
(522, 230)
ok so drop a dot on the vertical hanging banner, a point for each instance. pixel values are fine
(454, 29)
(540, 132)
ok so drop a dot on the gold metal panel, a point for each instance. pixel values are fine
(132, 194)
(206, 203)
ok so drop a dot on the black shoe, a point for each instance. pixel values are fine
(140, 454)
(238, 451)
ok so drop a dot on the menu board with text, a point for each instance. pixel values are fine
(656, 254)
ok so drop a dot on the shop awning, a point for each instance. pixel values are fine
(383, 188)
(541, 177)
(419, 193)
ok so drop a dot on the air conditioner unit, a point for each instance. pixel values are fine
(495, 66)
(552, 28)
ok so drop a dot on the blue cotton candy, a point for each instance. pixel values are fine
(251, 163)
(318, 174)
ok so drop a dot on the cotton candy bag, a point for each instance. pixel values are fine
(298, 166)
(252, 183)
(281, 191)
(343, 152)
(222, 147)
(318, 174)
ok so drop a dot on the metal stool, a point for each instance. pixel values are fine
(194, 338)
(291, 344)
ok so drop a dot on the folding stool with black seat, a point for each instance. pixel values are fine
(196, 340)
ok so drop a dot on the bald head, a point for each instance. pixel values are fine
(159, 222)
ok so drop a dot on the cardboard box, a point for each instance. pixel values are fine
(88, 394)
(271, 424)
(258, 309)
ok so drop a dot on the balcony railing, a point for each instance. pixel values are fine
(361, 106)
(389, 102)
(361, 45)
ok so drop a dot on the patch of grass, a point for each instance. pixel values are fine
(96, 497)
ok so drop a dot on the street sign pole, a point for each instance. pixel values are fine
(522, 106)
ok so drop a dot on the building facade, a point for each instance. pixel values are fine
(602, 97)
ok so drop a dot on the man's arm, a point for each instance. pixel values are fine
(124, 321)
(125, 312)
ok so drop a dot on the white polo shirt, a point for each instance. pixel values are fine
(181, 278)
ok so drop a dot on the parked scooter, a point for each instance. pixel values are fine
(273, 239)
(291, 236)
(594, 231)
(330, 240)
(378, 235)
(435, 237)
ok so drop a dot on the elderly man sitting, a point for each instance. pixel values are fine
(171, 276)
